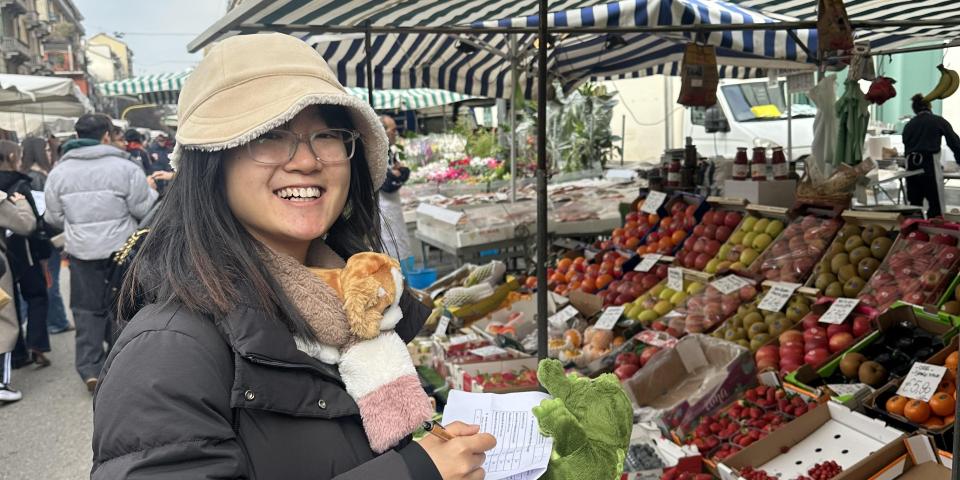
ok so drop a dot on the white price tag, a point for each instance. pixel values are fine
(648, 261)
(675, 279)
(562, 316)
(609, 318)
(778, 296)
(922, 381)
(442, 325)
(653, 201)
(843, 389)
(730, 284)
(459, 339)
(488, 351)
(839, 311)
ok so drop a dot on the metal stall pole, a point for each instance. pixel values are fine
(542, 183)
(789, 124)
(369, 61)
(513, 118)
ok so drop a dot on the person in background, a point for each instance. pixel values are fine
(27, 256)
(134, 146)
(36, 165)
(159, 150)
(396, 241)
(922, 137)
(97, 195)
(116, 137)
(53, 149)
(16, 217)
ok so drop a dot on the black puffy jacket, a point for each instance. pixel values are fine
(182, 396)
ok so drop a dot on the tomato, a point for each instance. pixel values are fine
(951, 362)
(896, 404)
(917, 411)
(942, 404)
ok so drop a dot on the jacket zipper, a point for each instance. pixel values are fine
(276, 363)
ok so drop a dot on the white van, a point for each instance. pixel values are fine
(748, 113)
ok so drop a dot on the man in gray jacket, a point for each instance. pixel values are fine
(97, 195)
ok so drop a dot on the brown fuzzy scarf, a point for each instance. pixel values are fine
(317, 303)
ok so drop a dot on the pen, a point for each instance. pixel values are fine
(434, 428)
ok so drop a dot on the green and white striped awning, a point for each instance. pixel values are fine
(409, 98)
(164, 82)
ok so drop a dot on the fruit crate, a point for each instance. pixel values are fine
(775, 323)
(711, 232)
(743, 249)
(649, 309)
(889, 222)
(685, 208)
(875, 405)
(706, 311)
(876, 346)
(792, 256)
(918, 267)
(951, 294)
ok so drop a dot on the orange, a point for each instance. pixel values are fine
(896, 404)
(628, 226)
(557, 278)
(564, 264)
(603, 280)
(951, 362)
(948, 420)
(652, 219)
(575, 285)
(933, 423)
(618, 232)
(947, 386)
(917, 411)
(942, 404)
(666, 222)
(631, 243)
(678, 236)
(665, 244)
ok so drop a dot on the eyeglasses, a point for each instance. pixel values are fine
(333, 146)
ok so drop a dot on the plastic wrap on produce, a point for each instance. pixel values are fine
(793, 256)
(706, 310)
(915, 271)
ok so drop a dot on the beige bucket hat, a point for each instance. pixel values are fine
(249, 84)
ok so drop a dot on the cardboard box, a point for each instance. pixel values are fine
(698, 376)
(921, 462)
(520, 361)
(778, 193)
(860, 445)
(526, 324)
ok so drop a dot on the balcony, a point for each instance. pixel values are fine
(16, 7)
(32, 20)
(42, 30)
(14, 50)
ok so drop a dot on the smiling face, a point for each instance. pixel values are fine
(289, 205)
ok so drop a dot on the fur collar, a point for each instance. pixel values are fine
(317, 303)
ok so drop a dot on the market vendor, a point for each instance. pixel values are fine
(393, 229)
(921, 139)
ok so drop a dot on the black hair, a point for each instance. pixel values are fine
(919, 104)
(93, 126)
(199, 255)
(34, 153)
(132, 135)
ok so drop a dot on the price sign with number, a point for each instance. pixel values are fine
(442, 325)
(562, 316)
(609, 318)
(844, 389)
(649, 260)
(730, 284)
(470, 337)
(488, 351)
(922, 381)
(839, 310)
(653, 201)
(777, 296)
(675, 279)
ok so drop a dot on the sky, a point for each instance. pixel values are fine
(157, 31)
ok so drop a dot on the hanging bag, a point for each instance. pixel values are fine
(699, 76)
(834, 31)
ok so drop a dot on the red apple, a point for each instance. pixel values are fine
(841, 342)
(816, 357)
(627, 357)
(931, 280)
(944, 239)
(861, 326)
(810, 320)
(731, 219)
(814, 332)
(747, 293)
(834, 329)
(626, 371)
(702, 260)
(767, 352)
(647, 354)
(723, 233)
(916, 298)
(789, 335)
(698, 230)
(918, 235)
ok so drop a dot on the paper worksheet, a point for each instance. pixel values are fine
(522, 453)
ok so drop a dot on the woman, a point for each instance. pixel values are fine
(15, 216)
(921, 140)
(36, 165)
(212, 379)
(27, 256)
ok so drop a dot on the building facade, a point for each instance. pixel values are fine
(109, 58)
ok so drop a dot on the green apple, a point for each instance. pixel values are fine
(736, 238)
(666, 293)
(748, 239)
(748, 223)
(774, 228)
(712, 266)
(663, 307)
(761, 225)
(647, 316)
(725, 249)
(695, 288)
(762, 241)
(748, 256)
(678, 298)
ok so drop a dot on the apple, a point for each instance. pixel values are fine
(916, 298)
(731, 220)
(626, 371)
(810, 320)
(813, 333)
(944, 239)
(861, 326)
(647, 354)
(918, 235)
(841, 342)
(789, 335)
(834, 329)
(747, 293)
(816, 357)
(931, 279)
(627, 357)
(701, 262)
(767, 352)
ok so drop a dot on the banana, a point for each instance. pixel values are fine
(955, 77)
(943, 85)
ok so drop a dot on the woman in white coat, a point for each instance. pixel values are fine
(16, 216)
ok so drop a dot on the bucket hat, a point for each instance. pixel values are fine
(249, 84)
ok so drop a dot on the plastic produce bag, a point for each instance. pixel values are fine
(915, 271)
(820, 164)
(704, 311)
(794, 254)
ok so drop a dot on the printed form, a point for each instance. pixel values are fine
(522, 453)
